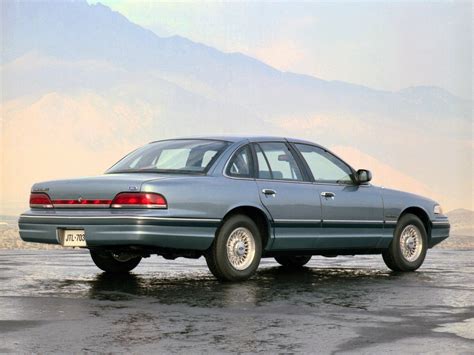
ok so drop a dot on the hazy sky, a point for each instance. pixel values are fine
(386, 45)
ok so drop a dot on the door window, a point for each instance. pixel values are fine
(263, 168)
(275, 161)
(324, 166)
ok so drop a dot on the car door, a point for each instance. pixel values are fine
(288, 195)
(352, 214)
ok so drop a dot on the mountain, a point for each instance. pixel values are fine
(462, 221)
(461, 235)
(81, 80)
(76, 32)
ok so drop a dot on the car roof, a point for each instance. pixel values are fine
(235, 139)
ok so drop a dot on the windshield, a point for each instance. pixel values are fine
(172, 156)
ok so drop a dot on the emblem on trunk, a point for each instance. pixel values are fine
(41, 189)
(133, 188)
(79, 199)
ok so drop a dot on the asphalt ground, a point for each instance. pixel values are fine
(58, 302)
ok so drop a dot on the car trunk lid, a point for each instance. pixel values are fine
(94, 192)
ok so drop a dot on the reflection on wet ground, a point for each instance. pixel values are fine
(292, 287)
(345, 304)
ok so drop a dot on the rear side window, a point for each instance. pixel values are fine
(240, 165)
(280, 162)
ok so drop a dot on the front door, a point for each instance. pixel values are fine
(352, 214)
(292, 202)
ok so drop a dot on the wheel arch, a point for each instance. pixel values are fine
(421, 214)
(259, 216)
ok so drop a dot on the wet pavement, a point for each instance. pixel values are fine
(57, 301)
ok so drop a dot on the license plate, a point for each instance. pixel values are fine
(72, 237)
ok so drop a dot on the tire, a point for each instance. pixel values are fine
(293, 261)
(236, 251)
(107, 262)
(410, 233)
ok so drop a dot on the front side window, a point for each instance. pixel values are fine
(275, 161)
(240, 164)
(324, 166)
(172, 156)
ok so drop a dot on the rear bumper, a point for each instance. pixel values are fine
(121, 230)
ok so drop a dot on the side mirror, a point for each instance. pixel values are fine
(363, 176)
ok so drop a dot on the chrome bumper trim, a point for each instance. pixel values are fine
(165, 219)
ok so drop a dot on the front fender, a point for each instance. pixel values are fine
(397, 202)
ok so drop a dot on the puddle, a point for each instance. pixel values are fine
(464, 329)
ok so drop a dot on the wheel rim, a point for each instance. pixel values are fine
(411, 243)
(240, 248)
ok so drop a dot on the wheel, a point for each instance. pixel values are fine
(114, 263)
(408, 248)
(293, 261)
(236, 251)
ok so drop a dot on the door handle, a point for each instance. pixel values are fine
(269, 192)
(330, 195)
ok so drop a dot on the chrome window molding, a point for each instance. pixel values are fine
(287, 181)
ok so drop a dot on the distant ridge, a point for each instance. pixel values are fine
(93, 83)
(462, 220)
(75, 30)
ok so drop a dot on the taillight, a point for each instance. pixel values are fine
(40, 200)
(139, 200)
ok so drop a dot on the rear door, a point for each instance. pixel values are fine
(288, 195)
(352, 214)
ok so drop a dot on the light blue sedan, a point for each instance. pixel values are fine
(233, 200)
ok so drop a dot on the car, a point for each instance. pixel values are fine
(233, 200)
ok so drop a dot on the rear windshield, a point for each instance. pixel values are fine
(173, 156)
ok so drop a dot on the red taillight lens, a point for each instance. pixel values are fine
(40, 200)
(82, 203)
(139, 200)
